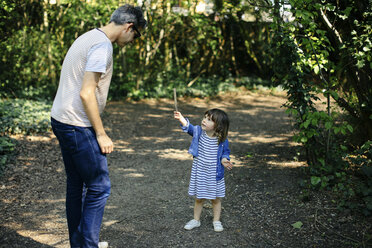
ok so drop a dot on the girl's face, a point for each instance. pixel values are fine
(207, 124)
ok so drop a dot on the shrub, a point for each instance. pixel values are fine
(23, 116)
(20, 116)
(7, 146)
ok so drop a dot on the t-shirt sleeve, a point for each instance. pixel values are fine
(98, 57)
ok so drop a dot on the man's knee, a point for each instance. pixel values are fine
(107, 190)
(100, 191)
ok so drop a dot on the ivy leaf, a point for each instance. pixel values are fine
(316, 70)
(249, 155)
(315, 180)
(328, 125)
(314, 122)
(360, 64)
(297, 225)
(350, 128)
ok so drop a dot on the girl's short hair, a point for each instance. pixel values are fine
(221, 121)
(128, 14)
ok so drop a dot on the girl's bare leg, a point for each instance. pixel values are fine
(216, 209)
(198, 208)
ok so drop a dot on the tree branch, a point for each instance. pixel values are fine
(344, 104)
(335, 32)
(193, 81)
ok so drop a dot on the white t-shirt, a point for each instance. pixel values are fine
(91, 51)
(98, 57)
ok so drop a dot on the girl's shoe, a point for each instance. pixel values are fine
(102, 245)
(217, 225)
(192, 224)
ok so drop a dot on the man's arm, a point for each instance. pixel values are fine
(88, 97)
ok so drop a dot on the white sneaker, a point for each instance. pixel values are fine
(217, 225)
(102, 245)
(192, 224)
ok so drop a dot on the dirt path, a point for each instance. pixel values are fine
(150, 170)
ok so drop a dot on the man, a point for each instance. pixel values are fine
(76, 122)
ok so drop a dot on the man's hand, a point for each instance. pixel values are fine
(227, 164)
(105, 143)
(179, 116)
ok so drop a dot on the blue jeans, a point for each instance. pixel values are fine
(88, 182)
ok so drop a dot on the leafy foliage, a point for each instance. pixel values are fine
(314, 56)
(20, 116)
(24, 116)
(180, 46)
(32, 52)
(363, 159)
(7, 146)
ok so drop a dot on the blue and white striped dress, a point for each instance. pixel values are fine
(203, 183)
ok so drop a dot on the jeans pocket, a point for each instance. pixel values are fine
(66, 137)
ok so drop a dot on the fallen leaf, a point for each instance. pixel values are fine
(297, 225)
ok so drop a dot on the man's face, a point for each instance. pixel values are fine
(128, 34)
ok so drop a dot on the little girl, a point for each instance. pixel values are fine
(210, 149)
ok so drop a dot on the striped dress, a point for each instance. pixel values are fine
(203, 183)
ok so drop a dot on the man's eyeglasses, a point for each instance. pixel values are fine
(137, 34)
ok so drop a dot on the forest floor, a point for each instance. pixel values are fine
(150, 170)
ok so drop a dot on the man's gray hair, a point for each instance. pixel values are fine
(128, 14)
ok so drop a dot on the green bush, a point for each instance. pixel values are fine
(163, 86)
(20, 116)
(7, 146)
(362, 159)
(24, 116)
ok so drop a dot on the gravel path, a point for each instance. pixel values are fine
(150, 170)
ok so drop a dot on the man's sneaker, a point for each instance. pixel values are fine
(192, 224)
(217, 225)
(102, 245)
